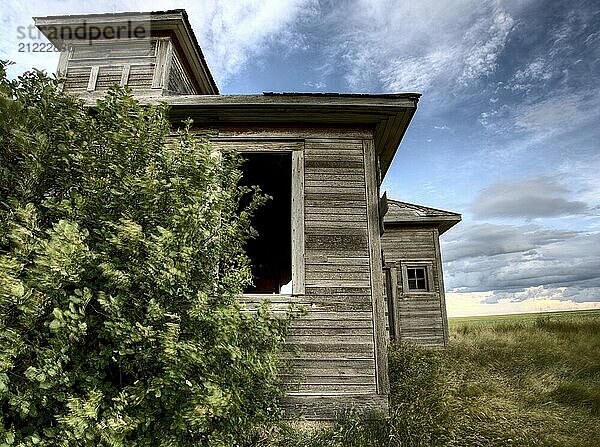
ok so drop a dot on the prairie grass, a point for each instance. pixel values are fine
(519, 380)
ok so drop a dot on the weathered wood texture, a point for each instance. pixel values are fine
(332, 353)
(150, 66)
(179, 81)
(377, 280)
(96, 67)
(419, 316)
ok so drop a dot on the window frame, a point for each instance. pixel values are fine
(429, 284)
(296, 148)
(419, 281)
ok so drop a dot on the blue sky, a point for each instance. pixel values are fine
(507, 131)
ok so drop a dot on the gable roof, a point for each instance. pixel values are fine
(404, 214)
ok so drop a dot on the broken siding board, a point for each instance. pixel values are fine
(163, 48)
(125, 74)
(91, 86)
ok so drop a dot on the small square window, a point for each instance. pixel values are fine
(417, 278)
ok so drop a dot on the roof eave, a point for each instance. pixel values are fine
(442, 224)
(387, 114)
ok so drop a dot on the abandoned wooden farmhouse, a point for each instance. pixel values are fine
(365, 277)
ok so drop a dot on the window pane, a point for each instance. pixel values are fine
(417, 279)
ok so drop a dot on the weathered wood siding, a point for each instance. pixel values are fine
(98, 66)
(179, 81)
(150, 66)
(333, 353)
(421, 316)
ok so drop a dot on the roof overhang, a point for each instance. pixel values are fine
(403, 214)
(386, 115)
(172, 23)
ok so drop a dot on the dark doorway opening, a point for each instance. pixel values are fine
(271, 251)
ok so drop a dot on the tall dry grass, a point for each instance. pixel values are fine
(518, 381)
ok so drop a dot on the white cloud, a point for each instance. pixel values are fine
(490, 36)
(233, 32)
(230, 33)
(413, 73)
(534, 74)
(416, 46)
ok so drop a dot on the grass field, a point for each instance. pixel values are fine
(513, 380)
(528, 379)
(492, 320)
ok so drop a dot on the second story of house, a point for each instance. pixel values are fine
(155, 53)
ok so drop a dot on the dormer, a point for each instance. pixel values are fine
(155, 53)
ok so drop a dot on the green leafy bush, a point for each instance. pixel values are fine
(120, 260)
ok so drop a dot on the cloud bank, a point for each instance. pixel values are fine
(528, 198)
